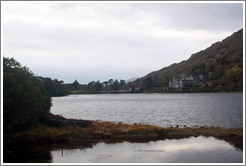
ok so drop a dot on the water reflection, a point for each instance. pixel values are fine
(189, 150)
(26, 154)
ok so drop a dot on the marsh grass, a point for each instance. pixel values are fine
(40, 133)
(119, 131)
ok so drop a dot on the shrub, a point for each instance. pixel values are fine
(25, 101)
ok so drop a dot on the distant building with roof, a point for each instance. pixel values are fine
(181, 80)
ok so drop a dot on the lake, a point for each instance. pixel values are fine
(188, 150)
(191, 109)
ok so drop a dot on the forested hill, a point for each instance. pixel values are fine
(222, 62)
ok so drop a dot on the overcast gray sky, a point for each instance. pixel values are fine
(100, 41)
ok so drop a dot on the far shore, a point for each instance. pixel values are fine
(97, 131)
(151, 92)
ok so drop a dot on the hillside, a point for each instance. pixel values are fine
(222, 62)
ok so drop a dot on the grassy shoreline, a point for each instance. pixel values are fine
(70, 135)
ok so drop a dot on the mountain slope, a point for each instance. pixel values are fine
(222, 61)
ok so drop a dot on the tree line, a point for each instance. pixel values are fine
(110, 86)
(59, 88)
(27, 97)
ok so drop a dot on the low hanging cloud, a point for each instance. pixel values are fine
(99, 41)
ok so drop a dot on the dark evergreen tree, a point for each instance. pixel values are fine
(116, 85)
(75, 85)
(98, 86)
(54, 87)
(148, 83)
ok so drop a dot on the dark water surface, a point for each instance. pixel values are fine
(188, 150)
(202, 109)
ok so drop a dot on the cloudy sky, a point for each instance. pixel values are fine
(99, 41)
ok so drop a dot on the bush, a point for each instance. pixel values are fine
(25, 101)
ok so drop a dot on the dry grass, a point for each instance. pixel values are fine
(120, 131)
(40, 133)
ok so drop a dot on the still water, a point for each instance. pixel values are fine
(202, 109)
(189, 150)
